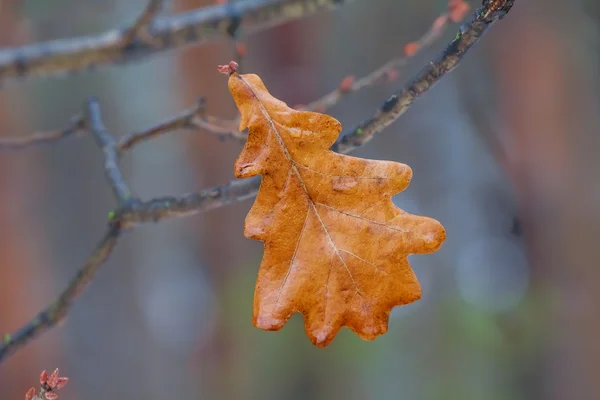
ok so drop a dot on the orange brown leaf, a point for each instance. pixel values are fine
(335, 245)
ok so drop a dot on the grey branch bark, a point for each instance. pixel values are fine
(129, 214)
(76, 127)
(58, 309)
(195, 118)
(469, 34)
(108, 145)
(149, 35)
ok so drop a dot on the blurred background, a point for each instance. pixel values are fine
(504, 152)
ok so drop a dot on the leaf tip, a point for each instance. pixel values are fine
(434, 239)
(430, 235)
(321, 338)
(246, 170)
(267, 323)
(372, 328)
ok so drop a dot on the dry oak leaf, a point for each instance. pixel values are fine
(335, 245)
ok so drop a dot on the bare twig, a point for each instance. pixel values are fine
(140, 27)
(121, 46)
(76, 127)
(192, 118)
(223, 129)
(388, 71)
(59, 308)
(107, 143)
(196, 118)
(173, 207)
(468, 34)
(131, 213)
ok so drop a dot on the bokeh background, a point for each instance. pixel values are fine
(504, 152)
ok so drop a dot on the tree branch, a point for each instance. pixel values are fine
(107, 143)
(140, 27)
(76, 127)
(195, 117)
(192, 119)
(59, 308)
(120, 46)
(158, 209)
(468, 34)
(387, 72)
(135, 212)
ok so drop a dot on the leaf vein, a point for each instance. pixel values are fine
(361, 218)
(292, 260)
(365, 261)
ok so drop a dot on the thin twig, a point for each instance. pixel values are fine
(239, 190)
(59, 308)
(64, 56)
(130, 214)
(468, 34)
(388, 71)
(192, 119)
(76, 127)
(158, 209)
(140, 28)
(196, 118)
(107, 143)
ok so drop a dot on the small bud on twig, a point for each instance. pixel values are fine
(228, 69)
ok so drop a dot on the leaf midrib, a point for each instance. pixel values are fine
(310, 200)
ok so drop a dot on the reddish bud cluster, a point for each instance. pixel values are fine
(346, 84)
(393, 74)
(228, 69)
(439, 23)
(457, 10)
(411, 48)
(241, 49)
(48, 386)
